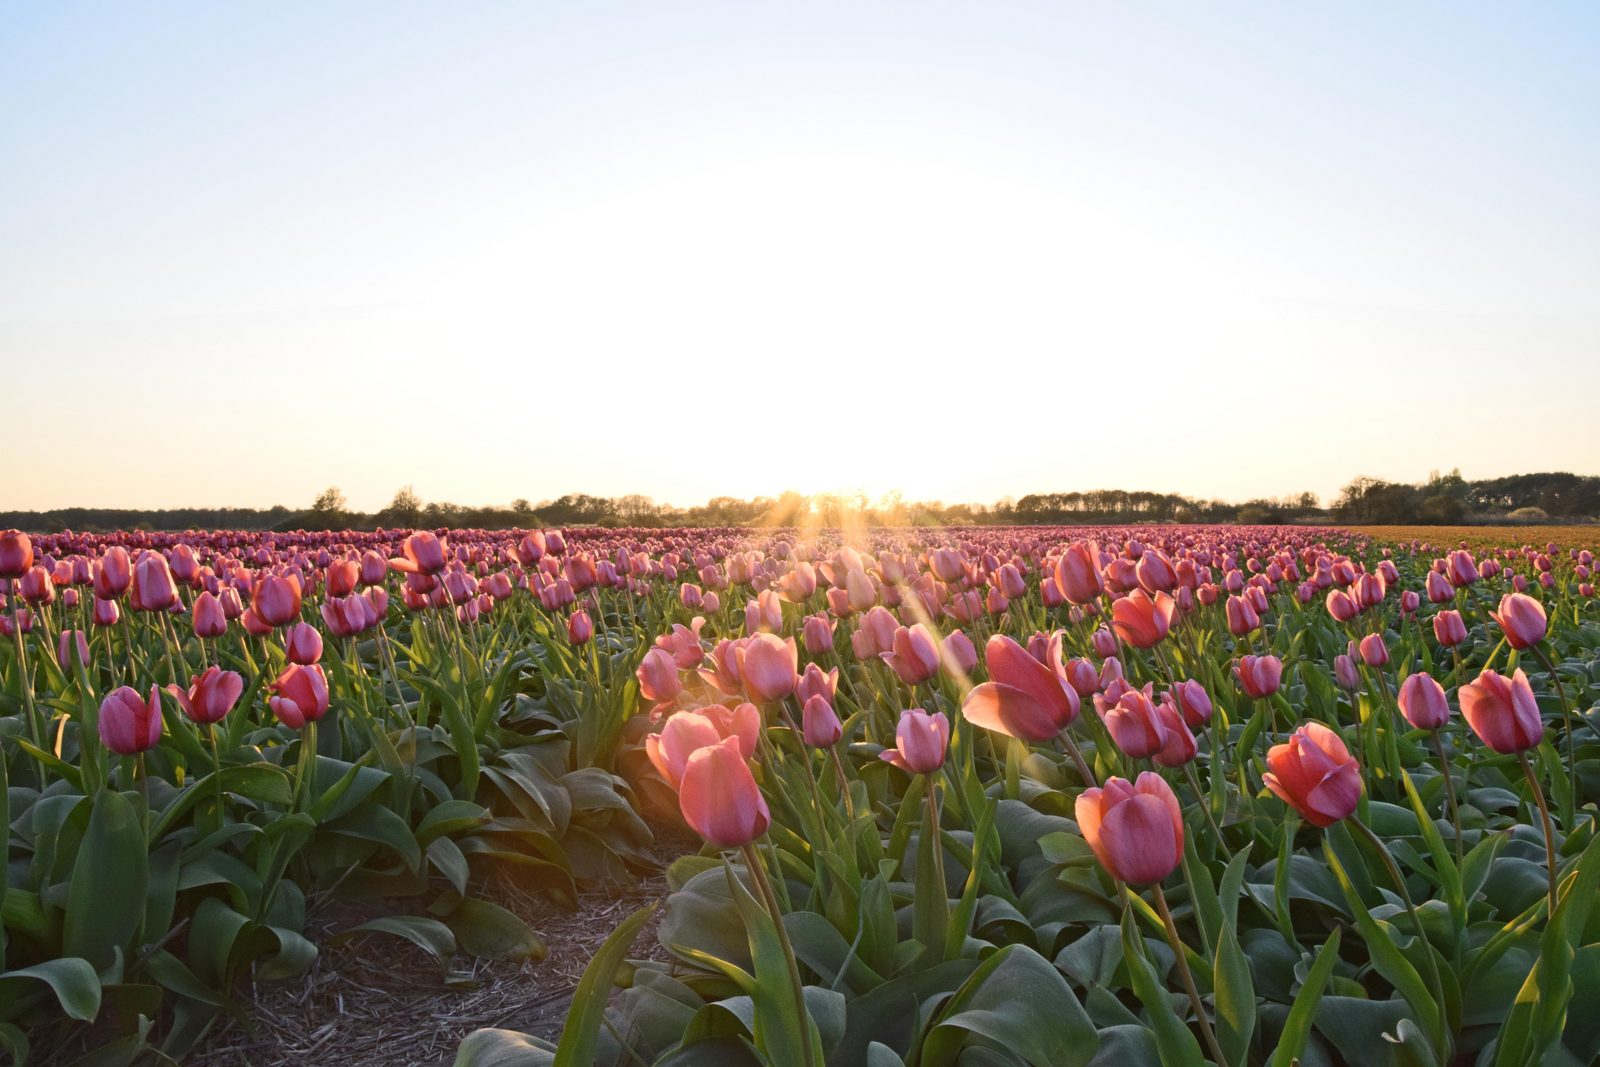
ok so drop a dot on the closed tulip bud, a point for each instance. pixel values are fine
(373, 567)
(1440, 591)
(129, 723)
(1523, 620)
(769, 666)
(1083, 677)
(817, 632)
(580, 628)
(914, 657)
(1242, 616)
(209, 620)
(1078, 573)
(342, 577)
(276, 599)
(920, 742)
(302, 644)
(658, 676)
(1315, 774)
(302, 695)
(16, 554)
(1104, 642)
(1155, 572)
(72, 649)
(1422, 702)
(1374, 653)
(816, 682)
(1502, 711)
(1135, 725)
(113, 574)
(1179, 747)
(958, 653)
(421, 553)
(1051, 593)
(210, 696)
(37, 587)
(1193, 702)
(874, 633)
(719, 798)
(22, 623)
(819, 725)
(1259, 676)
(106, 613)
(1345, 673)
(742, 723)
(1341, 606)
(1410, 601)
(1135, 828)
(1461, 569)
(681, 736)
(153, 587)
(1448, 629)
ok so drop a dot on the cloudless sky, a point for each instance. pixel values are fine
(972, 250)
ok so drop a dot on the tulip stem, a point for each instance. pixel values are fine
(1089, 780)
(1449, 790)
(1186, 977)
(1437, 986)
(1544, 818)
(35, 726)
(758, 874)
(1200, 800)
(1566, 715)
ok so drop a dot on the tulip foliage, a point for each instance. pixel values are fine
(1249, 796)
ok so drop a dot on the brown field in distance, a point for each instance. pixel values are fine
(1481, 537)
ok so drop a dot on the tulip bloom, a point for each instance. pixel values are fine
(1259, 676)
(819, 724)
(658, 676)
(681, 736)
(302, 695)
(719, 798)
(1179, 747)
(580, 629)
(1135, 726)
(129, 723)
(1315, 774)
(915, 655)
(421, 553)
(209, 620)
(1345, 673)
(1523, 620)
(1502, 711)
(1023, 698)
(1422, 702)
(817, 682)
(210, 695)
(1193, 702)
(1242, 616)
(1140, 620)
(768, 664)
(153, 586)
(16, 554)
(1135, 828)
(1374, 653)
(920, 742)
(276, 599)
(1078, 573)
(818, 634)
(302, 644)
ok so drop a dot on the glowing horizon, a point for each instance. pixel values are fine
(712, 250)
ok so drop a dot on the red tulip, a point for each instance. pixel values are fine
(1135, 828)
(210, 695)
(1523, 620)
(129, 723)
(1259, 676)
(1502, 711)
(1315, 774)
(1422, 702)
(1140, 620)
(302, 695)
(719, 797)
(920, 742)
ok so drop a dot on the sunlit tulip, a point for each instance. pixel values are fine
(1078, 573)
(1341, 606)
(580, 628)
(16, 554)
(210, 695)
(1241, 614)
(1023, 698)
(1179, 747)
(1140, 620)
(301, 695)
(958, 653)
(915, 654)
(421, 553)
(1315, 774)
(681, 736)
(72, 649)
(1346, 674)
(719, 798)
(1104, 642)
(113, 574)
(1502, 711)
(819, 724)
(1135, 725)
(1135, 828)
(106, 613)
(130, 723)
(1523, 620)
(209, 620)
(920, 742)
(1422, 702)
(658, 676)
(1460, 568)
(816, 682)
(276, 599)
(37, 587)
(874, 634)
(768, 664)
(153, 586)
(817, 633)
(1374, 653)
(1259, 676)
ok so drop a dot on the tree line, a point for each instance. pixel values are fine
(1443, 499)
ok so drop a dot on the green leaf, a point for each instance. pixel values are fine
(488, 931)
(1018, 1001)
(580, 1036)
(1303, 1012)
(503, 1048)
(106, 900)
(1178, 1046)
(430, 935)
(72, 979)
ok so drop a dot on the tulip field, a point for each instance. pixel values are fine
(1049, 796)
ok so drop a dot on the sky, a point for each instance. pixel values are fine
(965, 251)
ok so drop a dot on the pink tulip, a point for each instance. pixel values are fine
(1140, 620)
(1374, 653)
(768, 664)
(1315, 774)
(153, 586)
(915, 655)
(16, 554)
(1023, 698)
(302, 644)
(1193, 702)
(1135, 725)
(681, 736)
(129, 723)
(302, 695)
(1502, 711)
(1523, 620)
(719, 798)
(1259, 676)
(209, 619)
(1135, 828)
(1422, 702)
(1078, 573)
(580, 629)
(276, 599)
(920, 742)
(658, 676)
(210, 695)
(820, 726)
(959, 656)
(72, 649)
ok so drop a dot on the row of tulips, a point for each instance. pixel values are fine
(1203, 796)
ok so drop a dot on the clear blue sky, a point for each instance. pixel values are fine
(964, 250)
